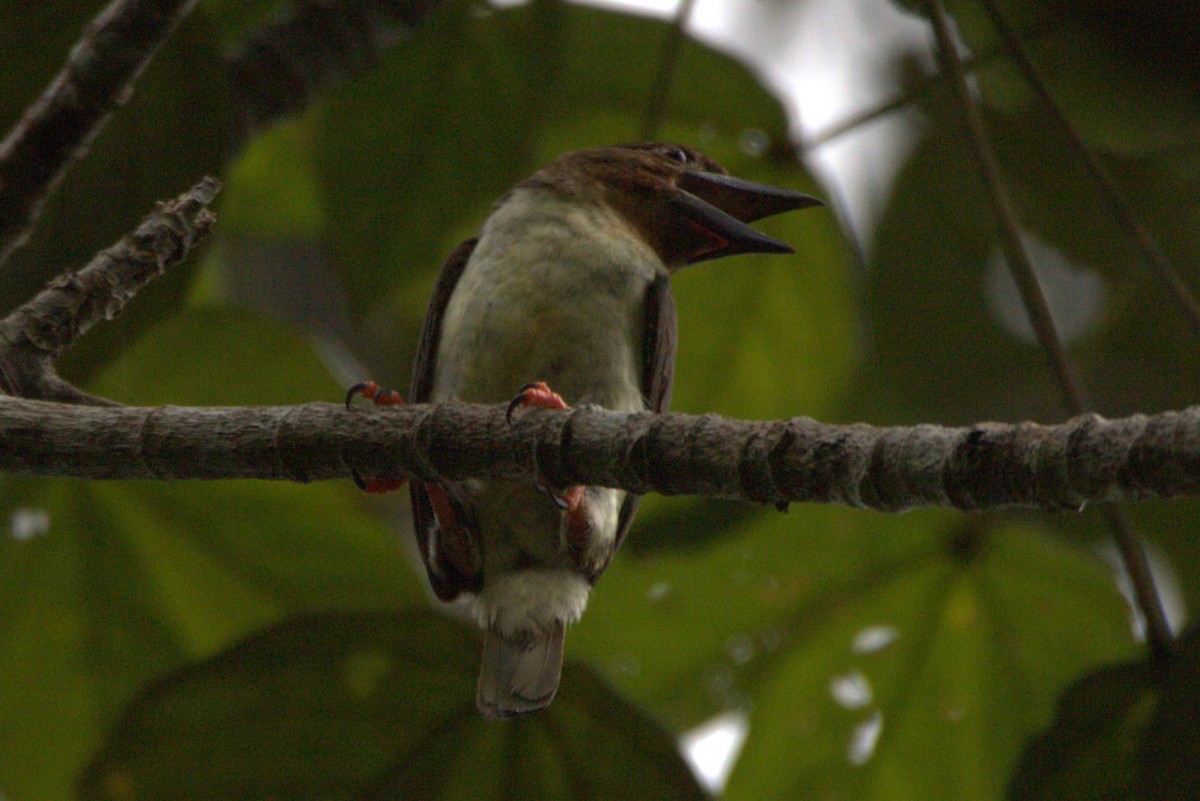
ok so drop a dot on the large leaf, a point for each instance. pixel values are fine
(106, 585)
(373, 706)
(955, 636)
(410, 157)
(1129, 731)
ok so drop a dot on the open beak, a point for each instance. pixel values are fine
(714, 211)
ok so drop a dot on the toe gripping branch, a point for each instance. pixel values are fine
(380, 397)
(539, 395)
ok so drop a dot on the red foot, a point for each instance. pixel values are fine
(570, 501)
(373, 392)
(539, 395)
(377, 486)
(381, 397)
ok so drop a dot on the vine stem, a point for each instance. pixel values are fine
(1118, 204)
(656, 109)
(1149, 602)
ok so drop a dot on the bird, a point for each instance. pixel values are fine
(562, 299)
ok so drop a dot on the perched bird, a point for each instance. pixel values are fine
(563, 298)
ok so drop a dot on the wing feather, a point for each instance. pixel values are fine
(444, 560)
(660, 336)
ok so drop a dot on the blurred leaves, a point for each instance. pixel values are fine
(945, 324)
(1125, 74)
(957, 634)
(127, 580)
(374, 706)
(1126, 731)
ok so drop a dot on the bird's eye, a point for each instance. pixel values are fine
(675, 154)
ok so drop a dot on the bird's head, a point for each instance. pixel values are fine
(686, 206)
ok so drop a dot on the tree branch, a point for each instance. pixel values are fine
(1086, 460)
(660, 94)
(1118, 203)
(57, 129)
(1033, 298)
(35, 334)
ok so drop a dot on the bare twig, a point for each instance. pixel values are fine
(57, 130)
(1005, 217)
(656, 108)
(1149, 602)
(1086, 460)
(35, 334)
(1117, 202)
(913, 93)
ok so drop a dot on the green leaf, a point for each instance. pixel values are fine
(1090, 749)
(130, 579)
(400, 174)
(933, 628)
(214, 356)
(1167, 765)
(363, 706)
(410, 157)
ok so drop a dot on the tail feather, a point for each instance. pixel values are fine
(519, 674)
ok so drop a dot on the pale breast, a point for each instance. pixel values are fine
(554, 293)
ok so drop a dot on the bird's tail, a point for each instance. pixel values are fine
(519, 673)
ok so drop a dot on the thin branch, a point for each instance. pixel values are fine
(857, 119)
(34, 335)
(1005, 217)
(656, 108)
(316, 43)
(1149, 601)
(58, 129)
(988, 465)
(1117, 202)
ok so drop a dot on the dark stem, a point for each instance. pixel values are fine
(859, 118)
(34, 335)
(57, 129)
(1147, 596)
(660, 94)
(1117, 202)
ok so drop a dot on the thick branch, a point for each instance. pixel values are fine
(57, 129)
(35, 334)
(1086, 460)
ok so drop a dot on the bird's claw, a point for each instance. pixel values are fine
(538, 395)
(375, 393)
(380, 397)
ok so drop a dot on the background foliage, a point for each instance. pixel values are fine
(247, 640)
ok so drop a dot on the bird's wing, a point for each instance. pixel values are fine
(452, 561)
(660, 335)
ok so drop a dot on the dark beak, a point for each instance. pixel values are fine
(715, 210)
